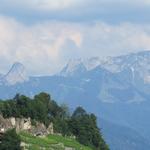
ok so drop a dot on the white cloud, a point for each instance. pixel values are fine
(111, 40)
(44, 5)
(45, 47)
(57, 4)
(37, 46)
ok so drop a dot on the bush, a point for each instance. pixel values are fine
(10, 141)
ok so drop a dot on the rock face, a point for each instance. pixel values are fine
(18, 123)
(24, 124)
(50, 129)
(41, 130)
(5, 124)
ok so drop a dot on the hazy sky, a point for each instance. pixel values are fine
(45, 34)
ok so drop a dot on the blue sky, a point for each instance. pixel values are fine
(45, 34)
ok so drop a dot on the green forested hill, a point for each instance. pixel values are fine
(42, 108)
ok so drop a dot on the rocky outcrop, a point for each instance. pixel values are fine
(18, 123)
(21, 124)
(50, 129)
(5, 124)
(40, 129)
(24, 124)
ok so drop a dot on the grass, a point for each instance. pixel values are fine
(51, 142)
(68, 142)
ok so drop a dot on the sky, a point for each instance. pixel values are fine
(45, 34)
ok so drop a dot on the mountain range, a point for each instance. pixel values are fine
(114, 88)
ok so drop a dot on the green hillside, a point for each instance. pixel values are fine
(43, 109)
(51, 142)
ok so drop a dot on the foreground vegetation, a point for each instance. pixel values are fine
(55, 142)
(10, 141)
(42, 108)
(13, 141)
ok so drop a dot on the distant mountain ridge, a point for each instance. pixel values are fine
(79, 65)
(137, 63)
(124, 79)
(116, 88)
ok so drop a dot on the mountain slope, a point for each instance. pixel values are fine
(120, 137)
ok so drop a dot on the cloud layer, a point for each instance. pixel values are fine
(45, 47)
(112, 11)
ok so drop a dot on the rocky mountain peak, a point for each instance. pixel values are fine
(17, 74)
